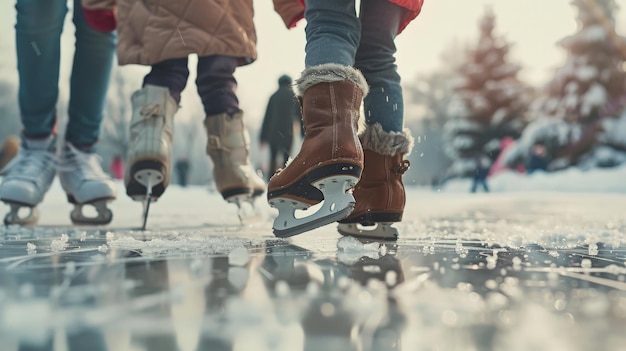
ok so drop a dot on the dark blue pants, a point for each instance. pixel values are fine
(215, 82)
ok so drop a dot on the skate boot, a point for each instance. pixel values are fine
(228, 146)
(27, 179)
(330, 160)
(9, 150)
(379, 195)
(150, 151)
(85, 183)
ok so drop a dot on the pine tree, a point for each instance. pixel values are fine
(491, 102)
(578, 115)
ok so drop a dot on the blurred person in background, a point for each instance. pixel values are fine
(480, 174)
(282, 116)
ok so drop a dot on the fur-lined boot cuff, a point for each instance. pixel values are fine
(330, 72)
(386, 143)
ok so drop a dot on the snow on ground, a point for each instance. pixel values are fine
(609, 180)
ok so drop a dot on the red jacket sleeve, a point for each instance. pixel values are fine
(291, 11)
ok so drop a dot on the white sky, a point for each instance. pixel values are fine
(534, 26)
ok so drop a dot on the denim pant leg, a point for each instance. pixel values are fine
(332, 32)
(217, 84)
(89, 82)
(380, 21)
(38, 46)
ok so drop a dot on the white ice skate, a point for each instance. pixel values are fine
(228, 145)
(27, 178)
(85, 183)
(150, 152)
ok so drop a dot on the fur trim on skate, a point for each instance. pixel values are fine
(387, 143)
(330, 72)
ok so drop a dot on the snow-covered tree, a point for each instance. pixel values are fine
(579, 117)
(490, 102)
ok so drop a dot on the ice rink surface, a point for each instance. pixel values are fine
(503, 271)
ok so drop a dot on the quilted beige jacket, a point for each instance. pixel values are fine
(150, 31)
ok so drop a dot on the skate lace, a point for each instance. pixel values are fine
(30, 164)
(84, 163)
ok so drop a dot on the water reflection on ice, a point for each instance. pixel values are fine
(449, 284)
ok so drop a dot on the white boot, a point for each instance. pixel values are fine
(228, 145)
(27, 179)
(150, 151)
(85, 182)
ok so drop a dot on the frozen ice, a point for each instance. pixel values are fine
(282, 288)
(238, 256)
(585, 263)
(60, 243)
(462, 264)
(350, 250)
(238, 277)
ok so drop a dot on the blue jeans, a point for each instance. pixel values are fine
(335, 34)
(37, 38)
(215, 81)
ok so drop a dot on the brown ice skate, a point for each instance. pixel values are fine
(330, 160)
(380, 195)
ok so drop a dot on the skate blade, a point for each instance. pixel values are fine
(146, 210)
(148, 178)
(378, 231)
(103, 215)
(14, 218)
(337, 204)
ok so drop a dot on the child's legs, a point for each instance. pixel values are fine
(171, 74)
(332, 32)
(217, 84)
(375, 58)
(38, 46)
(91, 71)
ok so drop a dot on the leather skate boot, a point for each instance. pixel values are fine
(150, 151)
(228, 146)
(380, 195)
(330, 160)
